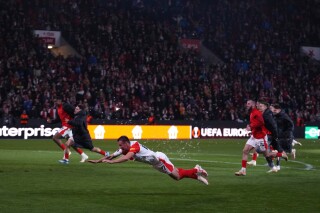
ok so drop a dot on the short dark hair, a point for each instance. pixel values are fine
(123, 138)
(276, 106)
(261, 101)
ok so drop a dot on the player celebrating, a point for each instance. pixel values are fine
(81, 136)
(272, 133)
(65, 112)
(285, 129)
(258, 139)
(133, 150)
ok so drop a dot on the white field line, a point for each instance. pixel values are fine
(306, 165)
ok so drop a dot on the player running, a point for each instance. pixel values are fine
(258, 139)
(65, 112)
(81, 136)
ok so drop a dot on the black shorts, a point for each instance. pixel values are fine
(286, 144)
(84, 144)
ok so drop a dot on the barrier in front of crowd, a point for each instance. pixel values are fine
(167, 130)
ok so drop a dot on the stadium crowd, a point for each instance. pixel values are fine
(132, 64)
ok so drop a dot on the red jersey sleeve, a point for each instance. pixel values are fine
(135, 148)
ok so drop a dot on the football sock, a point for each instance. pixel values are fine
(66, 155)
(102, 152)
(270, 162)
(189, 173)
(254, 156)
(244, 164)
(278, 161)
(79, 150)
(62, 146)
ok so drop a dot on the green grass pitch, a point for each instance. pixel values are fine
(32, 180)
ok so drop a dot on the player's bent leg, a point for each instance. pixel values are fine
(57, 140)
(100, 151)
(245, 152)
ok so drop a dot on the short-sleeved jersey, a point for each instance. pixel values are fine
(142, 153)
(257, 124)
(63, 116)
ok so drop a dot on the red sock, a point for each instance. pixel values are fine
(102, 152)
(279, 154)
(79, 150)
(244, 163)
(66, 155)
(189, 173)
(62, 146)
(254, 156)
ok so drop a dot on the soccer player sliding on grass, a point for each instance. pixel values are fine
(133, 150)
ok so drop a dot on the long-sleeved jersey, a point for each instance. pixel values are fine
(257, 124)
(270, 123)
(285, 125)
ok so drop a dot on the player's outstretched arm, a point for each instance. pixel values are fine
(124, 158)
(97, 161)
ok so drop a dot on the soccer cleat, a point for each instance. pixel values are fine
(240, 173)
(273, 170)
(285, 156)
(202, 179)
(107, 154)
(293, 153)
(201, 171)
(84, 157)
(294, 142)
(64, 161)
(278, 167)
(252, 163)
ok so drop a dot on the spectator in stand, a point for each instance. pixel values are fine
(120, 53)
(24, 118)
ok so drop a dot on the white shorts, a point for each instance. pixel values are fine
(66, 132)
(163, 165)
(260, 145)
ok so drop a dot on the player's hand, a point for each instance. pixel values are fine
(248, 128)
(48, 120)
(110, 157)
(107, 161)
(93, 161)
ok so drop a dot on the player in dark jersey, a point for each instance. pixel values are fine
(285, 129)
(81, 136)
(65, 112)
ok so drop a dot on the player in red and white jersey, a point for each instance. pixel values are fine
(133, 150)
(65, 113)
(258, 139)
